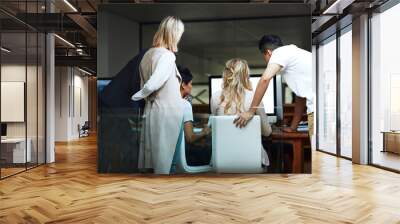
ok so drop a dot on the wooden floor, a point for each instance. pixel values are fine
(70, 191)
(5, 172)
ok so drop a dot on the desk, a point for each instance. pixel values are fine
(13, 150)
(391, 141)
(298, 140)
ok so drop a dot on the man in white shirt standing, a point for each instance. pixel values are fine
(295, 66)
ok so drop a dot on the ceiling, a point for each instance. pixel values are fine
(78, 28)
(154, 13)
(16, 42)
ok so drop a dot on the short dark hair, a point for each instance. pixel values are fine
(270, 42)
(185, 74)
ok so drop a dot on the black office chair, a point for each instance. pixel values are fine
(84, 130)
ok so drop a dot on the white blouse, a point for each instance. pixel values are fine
(217, 108)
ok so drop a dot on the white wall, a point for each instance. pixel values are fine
(79, 117)
(12, 73)
(71, 93)
(61, 103)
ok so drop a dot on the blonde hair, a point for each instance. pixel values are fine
(169, 33)
(235, 82)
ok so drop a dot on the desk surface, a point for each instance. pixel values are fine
(391, 132)
(13, 140)
(277, 133)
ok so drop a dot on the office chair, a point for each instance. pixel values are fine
(236, 150)
(182, 165)
(84, 130)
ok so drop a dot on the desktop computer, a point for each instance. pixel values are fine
(272, 99)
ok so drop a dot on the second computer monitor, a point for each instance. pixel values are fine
(3, 129)
(269, 99)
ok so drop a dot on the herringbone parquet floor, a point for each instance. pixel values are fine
(70, 191)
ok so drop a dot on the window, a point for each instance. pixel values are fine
(385, 89)
(326, 138)
(346, 92)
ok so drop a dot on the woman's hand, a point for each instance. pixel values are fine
(243, 118)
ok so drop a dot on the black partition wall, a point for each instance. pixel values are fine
(23, 88)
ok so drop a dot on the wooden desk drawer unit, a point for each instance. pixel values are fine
(391, 142)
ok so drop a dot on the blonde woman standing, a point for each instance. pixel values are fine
(236, 96)
(160, 81)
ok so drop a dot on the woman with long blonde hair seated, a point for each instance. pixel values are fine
(236, 96)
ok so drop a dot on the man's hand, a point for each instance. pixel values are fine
(289, 129)
(243, 118)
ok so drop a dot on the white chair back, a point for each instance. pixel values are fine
(236, 150)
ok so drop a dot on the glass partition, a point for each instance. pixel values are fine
(15, 150)
(385, 89)
(326, 136)
(22, 92)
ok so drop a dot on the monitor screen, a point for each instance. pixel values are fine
(215, 83)
(101, 83)
(3, 129)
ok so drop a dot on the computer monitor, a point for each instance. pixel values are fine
(101, 83)
(269, 99)
(3, 129)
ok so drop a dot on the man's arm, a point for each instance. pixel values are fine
(190, 136)
(262, 86)
(299, 106)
